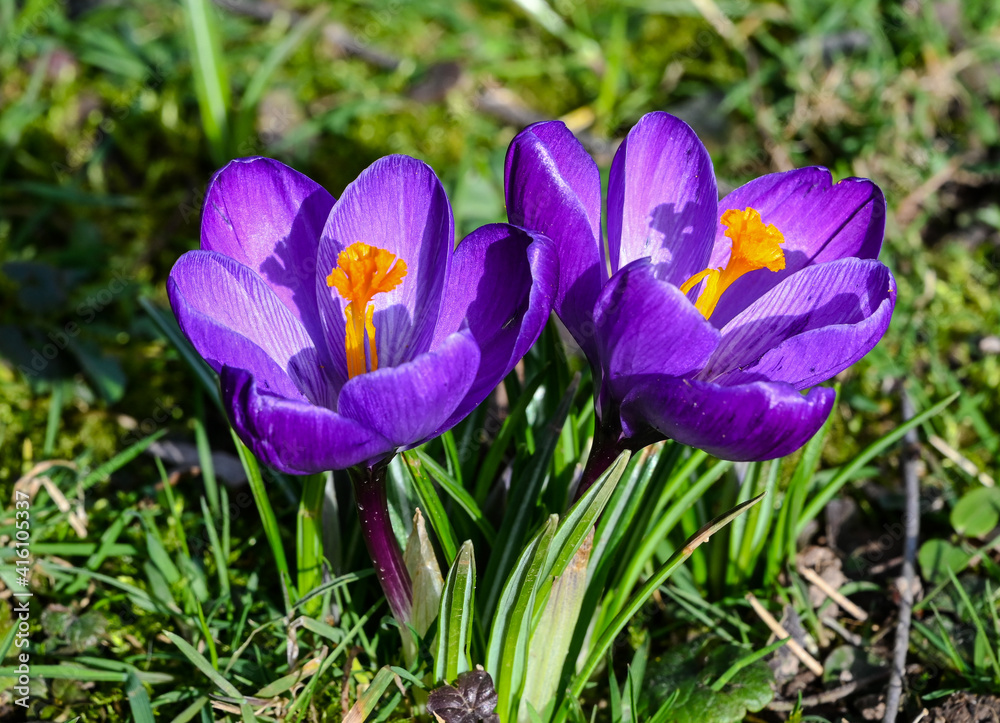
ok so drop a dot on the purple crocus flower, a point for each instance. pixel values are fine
(345, 331)
(702, 319)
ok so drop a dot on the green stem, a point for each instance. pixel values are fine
(309, 539)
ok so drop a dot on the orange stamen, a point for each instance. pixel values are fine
(363, 271)
(755, 246)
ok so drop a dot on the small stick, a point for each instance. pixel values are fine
(962, 462)
(831, 592)
(885, 566)
(828, 696)
(776, 628)
(843, 632)
(906, 583)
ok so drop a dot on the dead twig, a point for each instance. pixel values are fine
(853, 638)
(961, 461)
(907, 582)
(827, 697)
(831, 592)
(797, 650)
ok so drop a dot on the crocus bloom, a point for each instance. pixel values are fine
(702, 319)
(345, 331)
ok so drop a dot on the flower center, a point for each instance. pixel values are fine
(755, 246)
(363, 271)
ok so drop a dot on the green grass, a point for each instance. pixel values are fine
(163, 586)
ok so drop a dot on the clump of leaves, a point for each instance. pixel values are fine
(684, 684)
(472, 699)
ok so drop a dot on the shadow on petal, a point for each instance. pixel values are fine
(294, 436)
(758, 421)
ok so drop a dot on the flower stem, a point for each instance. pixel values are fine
(309, 539)
(604, 450)
(376, 528)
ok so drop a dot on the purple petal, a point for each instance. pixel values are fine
(410, 403)
(269, 218)
(646, 326)
(293, 436)
(399, 205)
(808, 328)
(227, 310)
(820, 221)
(553, 187)
(747, 422)
(222, 344)
(503, 282)
(662, 199)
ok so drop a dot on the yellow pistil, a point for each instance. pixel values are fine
(755, 246)
(363, 271)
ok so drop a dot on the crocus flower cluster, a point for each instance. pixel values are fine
(703, 320)
(346, 330)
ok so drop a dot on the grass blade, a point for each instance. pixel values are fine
(459, 494)
(488, 470)
(168, 327)
(625, 504)
(54, 417)
(977, 622)
(430, 502)
(278, 55)
(70, 672)
(795, 498)
(8, 640)
(221, 566)
(309, 538)
(579, 521)
(104, 471)
(743, 662)
(202, 664)
(191, 711)
(651, 538)
(455, 617)
(138, 700)
(552, 637)
(264, 508)
(307, 693)
(205, 457)
(365, 704)
(138, 596)
(210, 77)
